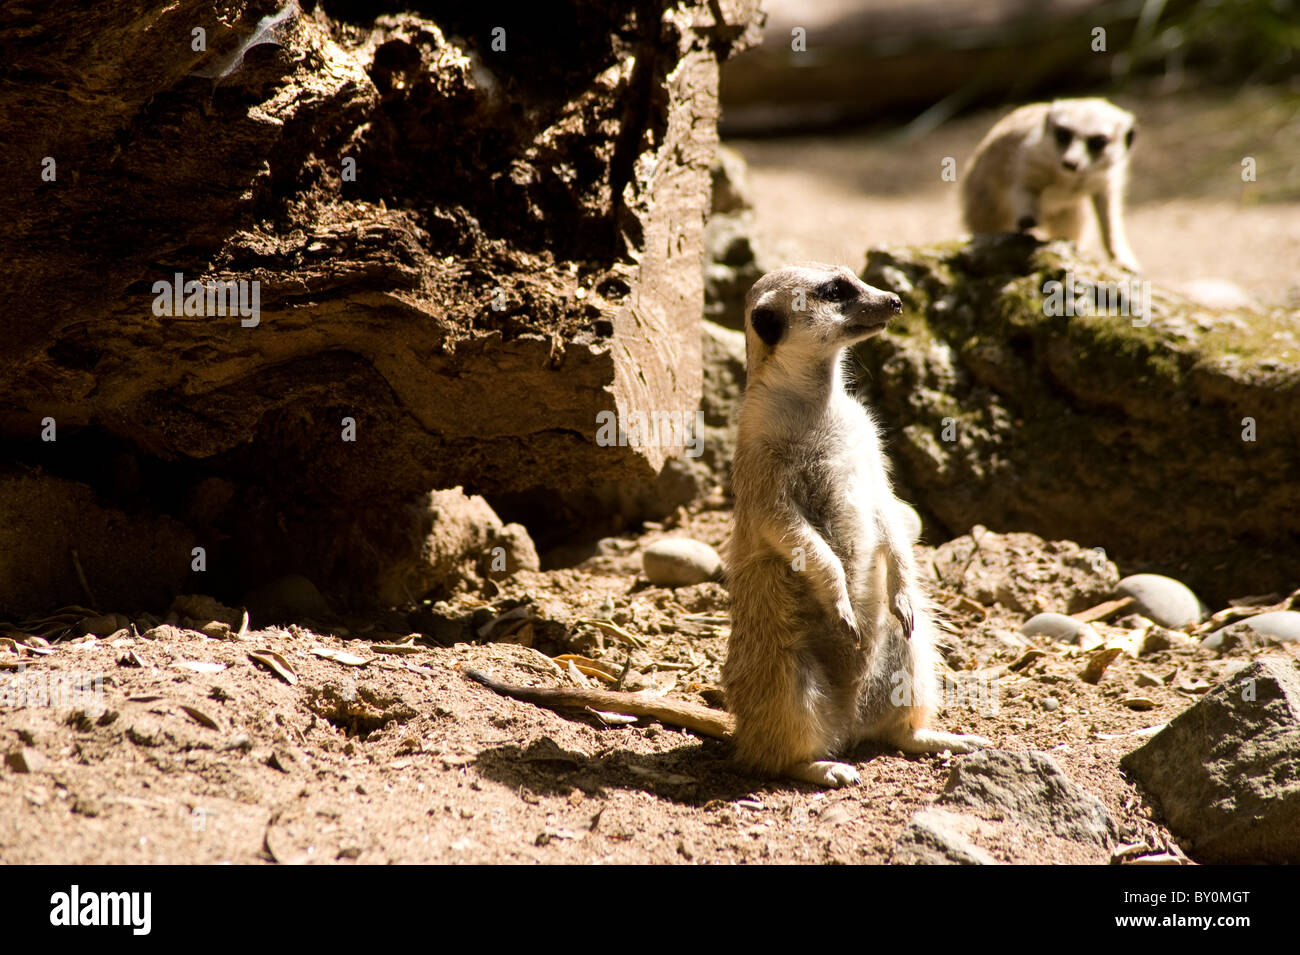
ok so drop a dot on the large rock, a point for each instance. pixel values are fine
(465, 256)
(1226, 772)
(1008, 806)
(1023, 572)
(1163, 443)
(1031, 789)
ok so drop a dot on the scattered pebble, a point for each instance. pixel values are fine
(1162, 599)
(1275, 627)
(680, 562)
(1051, 704)
(24, 760)
(1060, 627)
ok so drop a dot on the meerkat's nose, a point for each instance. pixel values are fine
(896, 303)
(1070, 164)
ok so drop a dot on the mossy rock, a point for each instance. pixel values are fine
(1171, 438)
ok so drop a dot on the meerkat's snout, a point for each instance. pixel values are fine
(871, 311)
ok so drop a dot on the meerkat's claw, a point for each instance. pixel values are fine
(825, 772)
(901, 607)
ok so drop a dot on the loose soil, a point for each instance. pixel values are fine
(403, 759)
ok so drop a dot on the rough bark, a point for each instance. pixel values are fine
(517, 252)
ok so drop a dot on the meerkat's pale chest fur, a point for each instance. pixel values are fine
(832, 637)
(1043, 164)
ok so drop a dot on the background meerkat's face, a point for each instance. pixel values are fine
(810, 312)
(1091, 136)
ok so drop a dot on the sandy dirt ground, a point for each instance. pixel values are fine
(193, 751)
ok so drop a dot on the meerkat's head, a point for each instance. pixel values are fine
(803, 316)
(1091, 137)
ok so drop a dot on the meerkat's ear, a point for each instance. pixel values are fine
(768, 324)
(1130, 136)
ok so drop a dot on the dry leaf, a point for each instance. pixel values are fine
(1097, 663)
(1111, 608)
(590, 667)
(398, 648)
(198, 716)
(340, 656)
(1138, 703)
(1026, 658)
(276, 664)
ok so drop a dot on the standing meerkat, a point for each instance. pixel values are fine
(832, 637)
(1042, 164)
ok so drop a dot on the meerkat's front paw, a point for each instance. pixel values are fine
(1128, 262)
(848, 622)
(825, 772)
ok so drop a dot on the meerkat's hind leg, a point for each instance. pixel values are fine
(825, 772)
(933, 741)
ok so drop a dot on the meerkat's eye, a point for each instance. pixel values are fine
(1096, 144)
(1128, 137)
(1063, 136)
(837, 290)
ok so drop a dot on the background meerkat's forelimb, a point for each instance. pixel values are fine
(1110, 220)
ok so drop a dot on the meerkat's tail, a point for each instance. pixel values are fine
(692, 716)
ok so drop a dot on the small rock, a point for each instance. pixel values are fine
(1138, 703)
(203, 608)
(1061, 628)
(165, 631)
(1051, 704)
(1226, 772)
(518, 552)
(935, 837)
(102, 625)
(1162, 599)
(285, 599)
(26, 760)
(680, 562)
(1265, 629)
(1031, 789)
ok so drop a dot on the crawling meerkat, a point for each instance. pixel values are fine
(1043, 163)
(832, 637)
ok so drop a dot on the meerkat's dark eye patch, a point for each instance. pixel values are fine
(1063, 136)
(1098, 144)
(768, 324)
(1128, 137)
(837, 290)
